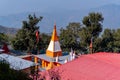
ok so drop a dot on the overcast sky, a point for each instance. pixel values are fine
(18, 6)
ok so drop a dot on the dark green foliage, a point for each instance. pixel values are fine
(78, 38)
(91, 29)
(6, 73)
(97, 45)
(69, 37)
(45, 40)
(25, 39)
(93, 23)
(116, 40)
(3, 38)
(107, 40)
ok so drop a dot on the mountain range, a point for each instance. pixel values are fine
(62, 17)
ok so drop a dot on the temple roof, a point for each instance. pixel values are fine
(97, 66)
(15, 62)
(49, 59)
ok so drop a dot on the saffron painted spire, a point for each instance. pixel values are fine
(54, 49)
(54, 35)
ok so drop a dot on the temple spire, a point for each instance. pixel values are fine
(54, 49)
(54, 35)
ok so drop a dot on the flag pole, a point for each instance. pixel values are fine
(91, 45)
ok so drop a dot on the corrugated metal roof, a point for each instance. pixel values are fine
(49, 59)
(16, 63)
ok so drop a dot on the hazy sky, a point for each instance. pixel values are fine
(18, 6)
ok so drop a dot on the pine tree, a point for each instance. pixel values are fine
(25, 39)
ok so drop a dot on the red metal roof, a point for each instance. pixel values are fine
(98, 66)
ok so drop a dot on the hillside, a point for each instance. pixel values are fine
(7, 30)
(62, 17)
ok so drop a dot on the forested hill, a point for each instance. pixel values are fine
(7, 30)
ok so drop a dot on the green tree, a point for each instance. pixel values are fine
(25, 39)
(45, 40)
(108, 40)
(92, 27)
(93, 23)
(116, 36)
(69, 37)
(3, 38)
(98, 45)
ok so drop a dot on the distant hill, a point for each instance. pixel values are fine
(62, 17)
(111, 14)
(7, 30)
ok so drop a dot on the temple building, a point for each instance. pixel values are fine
(53, 56)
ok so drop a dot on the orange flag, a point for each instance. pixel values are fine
(37, 36)
(91, 44)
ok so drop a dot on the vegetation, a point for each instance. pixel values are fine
(92, 27)
(3, 38)
(69, 37)
(76, 35)
(45, 40)
(25, 39)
